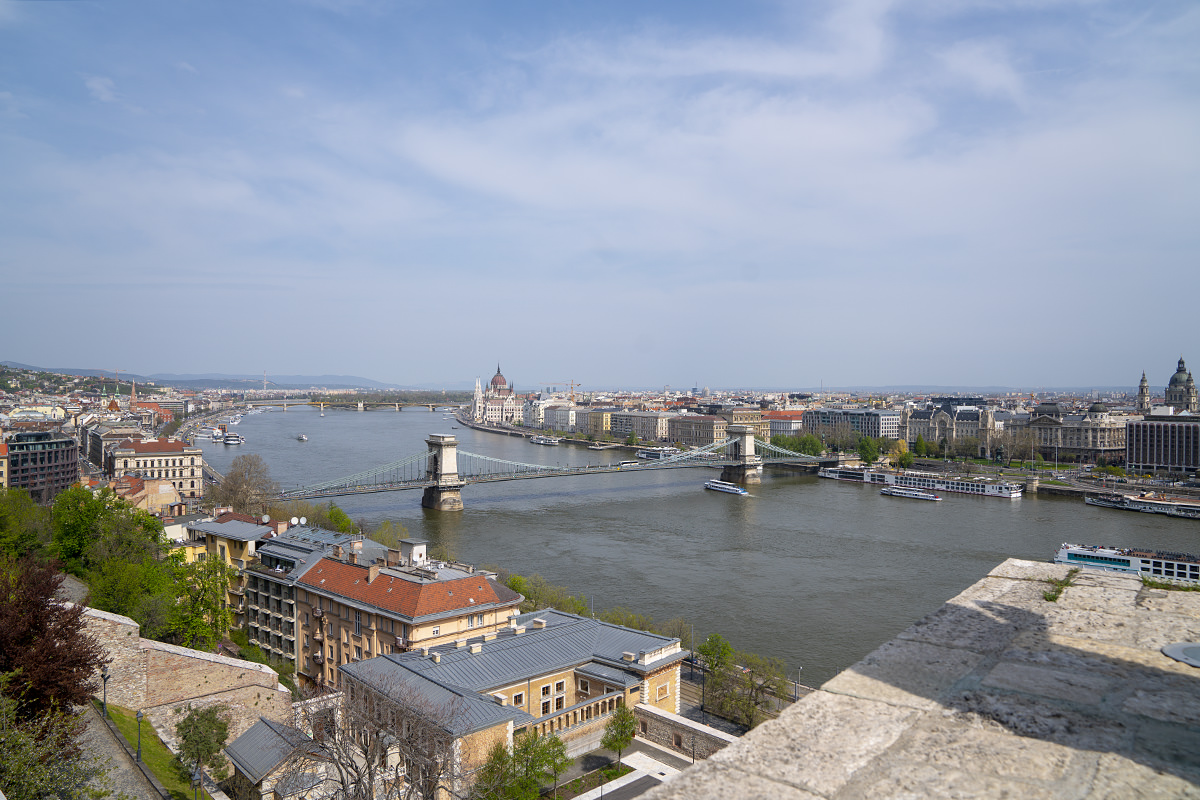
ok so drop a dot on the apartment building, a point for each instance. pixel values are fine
(43, 463)
(696, 430)
(167, 459)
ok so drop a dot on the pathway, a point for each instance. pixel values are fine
(126, 778)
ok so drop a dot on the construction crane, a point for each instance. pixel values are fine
(572, 384)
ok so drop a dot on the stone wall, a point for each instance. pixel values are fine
(159, 678)
(680, 734)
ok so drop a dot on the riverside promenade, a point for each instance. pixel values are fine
(1000, 693)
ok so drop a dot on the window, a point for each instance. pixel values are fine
(358, 623)
(435, 631)
(558, 704)
(560, 686)
(546, 690)
(519, 699)
(357, 653)
(677, 738)
(664, 690)
(583, 686)
(545, 708)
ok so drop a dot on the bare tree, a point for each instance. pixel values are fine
(247, 486)
(394, 744)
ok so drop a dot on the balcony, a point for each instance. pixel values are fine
(317, 657)
(318, 634)
(318, 613)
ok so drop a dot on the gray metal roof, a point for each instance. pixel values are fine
(455, 709)
(233, 529)
(260, 750)
(304, 547)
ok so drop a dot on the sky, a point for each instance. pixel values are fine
(755, 194)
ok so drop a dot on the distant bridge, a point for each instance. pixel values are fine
(352, 405)
(443, 470)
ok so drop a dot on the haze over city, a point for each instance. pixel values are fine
(765, 194)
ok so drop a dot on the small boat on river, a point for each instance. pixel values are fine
(302, 438)
(912, 494)
(725, 486)
(546, 440)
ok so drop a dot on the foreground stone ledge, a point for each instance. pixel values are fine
(999, 693)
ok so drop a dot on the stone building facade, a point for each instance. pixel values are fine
(168, 459)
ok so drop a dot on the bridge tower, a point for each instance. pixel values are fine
(446, 492)
(742, 451)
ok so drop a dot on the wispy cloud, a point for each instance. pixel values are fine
(101, 88)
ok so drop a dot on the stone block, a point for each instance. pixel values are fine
(1021, 570)
(709, 781)
(1118, 778)
(1074, 685)
(907, 673)
(820, 742)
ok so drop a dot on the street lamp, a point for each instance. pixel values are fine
(104, 676)
(139, 750)
(197, 776)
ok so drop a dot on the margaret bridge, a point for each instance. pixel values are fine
(443, 470)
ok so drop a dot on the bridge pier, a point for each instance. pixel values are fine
(746, 470)
(446, 492)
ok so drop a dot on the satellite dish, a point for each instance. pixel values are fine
(304, 520)
(266, 518)
(294, 520)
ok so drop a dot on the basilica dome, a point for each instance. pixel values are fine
(1181, 375)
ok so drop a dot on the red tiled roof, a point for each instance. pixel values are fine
(153, 446)
(408, 598)
(3, 449)
(236, 516)
(783, 414)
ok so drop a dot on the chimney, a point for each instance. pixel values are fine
(393, 558)
(539, 624)
(476, 648)
(352, 558)
(337, 551)
(628, 656)
(437, 658)
(518, 630)
(460, 643)
(356, 544)
(372, 572)
(500, 699)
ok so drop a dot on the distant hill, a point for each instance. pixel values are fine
(213, 380)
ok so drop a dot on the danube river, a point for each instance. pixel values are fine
(815, 572)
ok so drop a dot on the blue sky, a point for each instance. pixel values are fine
(622, 193)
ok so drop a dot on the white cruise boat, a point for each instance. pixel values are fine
(655, 453)
(1147, 503)
(1154, 564)
(912, 494)
(725, 486)
(218, 435)
(547, 440)
(302, 438)
(930, 481)
(234, 438)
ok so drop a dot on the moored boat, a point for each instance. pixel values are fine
(1147, 503)
(912, 494)
(546, 440)
(930, 481)
(1154, 564)
(725, 486)
(302, 438)
(234, 438)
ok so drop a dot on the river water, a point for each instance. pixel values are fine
(815, 572)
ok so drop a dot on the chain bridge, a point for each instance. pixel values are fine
(442, 470)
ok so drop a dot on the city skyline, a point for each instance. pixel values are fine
(847, 194)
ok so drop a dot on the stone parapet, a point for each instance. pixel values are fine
(999, 693)
(679, 734)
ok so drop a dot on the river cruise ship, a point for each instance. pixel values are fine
(654, 453)
(929, 481)
(725, 486)
(547, 440)
(1131, 561)
(1148, 503)
(911, 494)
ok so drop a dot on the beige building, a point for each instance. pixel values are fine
(1079, 437)
(696, 430)
(167, 459)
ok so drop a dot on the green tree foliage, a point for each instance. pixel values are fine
(906, 459)
(247, 487)
(44, 641)
(540, 593)
(518, 774)
(619, 732)
(751, 688)
(41, 757)
(715, 652)
(868, 450)
(25, 527)
(920, 446)
(808, 444)
(340, 520)
(389, 534)
(627, 618)
(200, 617)
(202, 733)
(76, 515)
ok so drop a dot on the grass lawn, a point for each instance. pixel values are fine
(155, 754)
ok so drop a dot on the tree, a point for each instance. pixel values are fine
(619, 732)
(201, 616)
(631, 439)
(46, 639)
(247, 486)
(340, 519)
(76, 515)
(759, 681)
(555, 760)
(716, 653)
(25, 526)
(906, 459)
(202, 734)
(41, 757)
(867, 450)
(389, 534)
(920, 447)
